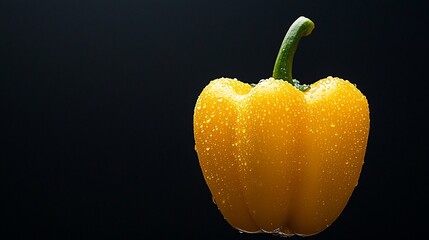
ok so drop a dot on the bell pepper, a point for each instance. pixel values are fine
(280, 157)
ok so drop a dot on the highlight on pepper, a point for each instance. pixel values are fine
(279, 157)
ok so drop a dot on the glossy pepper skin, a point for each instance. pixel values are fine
(277, 159)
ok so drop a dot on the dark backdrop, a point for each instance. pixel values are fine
(97, 101)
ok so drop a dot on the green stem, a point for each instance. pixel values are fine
(283, 66)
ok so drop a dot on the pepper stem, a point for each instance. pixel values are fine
(283, 65)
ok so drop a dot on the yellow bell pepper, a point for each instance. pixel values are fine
(279, 157)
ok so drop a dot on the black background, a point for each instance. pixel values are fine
(97, 102)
